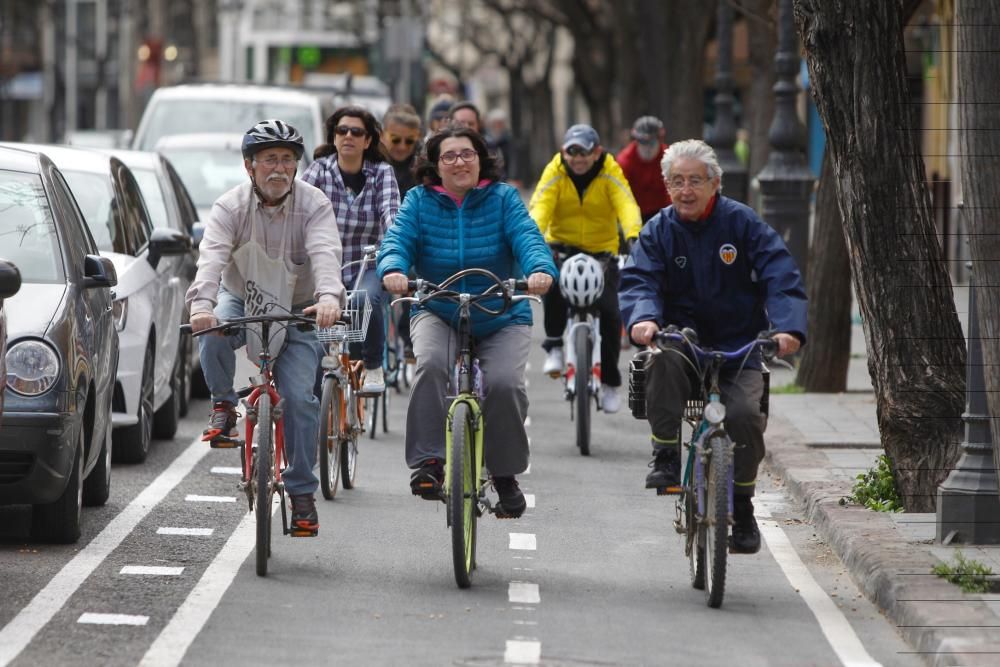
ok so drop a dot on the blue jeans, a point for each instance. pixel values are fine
(372, 350)
(294, 371)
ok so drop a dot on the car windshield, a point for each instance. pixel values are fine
(169, 117)
(149, 185)
(93, 194)
(207, 172)
(28, 236)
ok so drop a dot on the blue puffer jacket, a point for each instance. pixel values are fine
(490, 230)
(728, 277)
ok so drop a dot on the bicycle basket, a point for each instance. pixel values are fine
(693, 409)
(358, 313)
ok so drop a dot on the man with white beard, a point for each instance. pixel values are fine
(270, 245)
(640, 160)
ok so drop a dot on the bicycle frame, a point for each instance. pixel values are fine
(467, 380)
(592, 323)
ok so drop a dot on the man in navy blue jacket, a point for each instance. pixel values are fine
(710, 263)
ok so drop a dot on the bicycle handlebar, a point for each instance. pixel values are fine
(243, 321)
(502, 289)
(765, 341)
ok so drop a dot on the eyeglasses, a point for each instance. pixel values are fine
(344, 130)
(578, 151)
(272, 162)
(409, 141)
(467, 155)
(678, 182)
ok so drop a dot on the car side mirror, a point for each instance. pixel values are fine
(10, 279)
(99, 272)
(165, 241)
(197, 233)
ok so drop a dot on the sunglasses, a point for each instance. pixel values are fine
(409, 141)
(577, 151)
(344, 130)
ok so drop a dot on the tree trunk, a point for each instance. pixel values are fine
(916, 352)
(827, 356)
(977, 26)
(681, 82)
(759, 107)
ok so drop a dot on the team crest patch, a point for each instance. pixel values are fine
(681, 262)
(728, 253)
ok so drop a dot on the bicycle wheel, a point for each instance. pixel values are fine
(371, 404)
(330, 409)
(461, 486)
(584, 360)
(349, 440)
(695, 538)
(716, 519)
(265, 490)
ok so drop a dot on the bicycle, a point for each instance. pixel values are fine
(704, 506)
(263, 461)
(465, 477)
(395, 370)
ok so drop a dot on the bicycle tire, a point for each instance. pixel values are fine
(372, 423)
(265, 490)
(385, 412)
(330, 410)
(461, 483)
(349, 441)
(583, 346)
(695, 540)
(717, 519)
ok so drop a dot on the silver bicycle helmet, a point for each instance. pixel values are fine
(581, 280)
(272, 133)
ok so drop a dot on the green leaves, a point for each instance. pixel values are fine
(876, 489)
(970, 575)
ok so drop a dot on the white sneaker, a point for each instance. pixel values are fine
(554, 362)
(374, 382)
(610, 401)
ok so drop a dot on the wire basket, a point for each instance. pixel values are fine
(358, 313)
(693, 409)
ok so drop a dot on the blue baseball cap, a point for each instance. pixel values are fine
(581, 135)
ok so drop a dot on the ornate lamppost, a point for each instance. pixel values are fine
(722, 136)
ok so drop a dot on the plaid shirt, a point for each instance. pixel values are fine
(362, 219)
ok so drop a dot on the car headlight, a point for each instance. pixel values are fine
(120, 311)
(32, 367)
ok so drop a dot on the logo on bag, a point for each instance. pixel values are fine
(681, 262)
(728, 253)
(259, 301)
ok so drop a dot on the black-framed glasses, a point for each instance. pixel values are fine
(466, 155)
(344, 130)
(409, 141)
(678, 182)
(272, 162)
(578, 151)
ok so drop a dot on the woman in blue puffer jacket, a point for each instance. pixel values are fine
(461, 218)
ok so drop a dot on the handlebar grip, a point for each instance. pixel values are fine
(521, 285)
(411, 285)
(769, 349)
(185, 328)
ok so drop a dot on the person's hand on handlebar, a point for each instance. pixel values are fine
(395, 283)
(202, 321)
(539, 283)
(643, 332)
(787, 344)
(327, 313)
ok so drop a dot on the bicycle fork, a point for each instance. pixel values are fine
(592, 326)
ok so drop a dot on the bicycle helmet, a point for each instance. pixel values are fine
(581, 280)
(272, 133)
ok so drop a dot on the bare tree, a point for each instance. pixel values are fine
(916, 353)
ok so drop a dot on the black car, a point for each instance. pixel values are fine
(62, 351)
(10, 282)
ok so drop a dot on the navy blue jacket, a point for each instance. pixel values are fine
(728, 277)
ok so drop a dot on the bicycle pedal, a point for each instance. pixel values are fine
(668, 490)
(225, 443)
(302, 532)
(555, 375)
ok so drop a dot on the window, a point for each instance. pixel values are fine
(96, 200)
(28, 232)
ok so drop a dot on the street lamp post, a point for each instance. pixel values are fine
(785, 181)
(722, 136)
(968, 507)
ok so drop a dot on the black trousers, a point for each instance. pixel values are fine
(557, 315)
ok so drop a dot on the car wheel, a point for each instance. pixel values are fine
(97, 486)
(130, 444)
(167, 418)
(182, 372)
(59, 521)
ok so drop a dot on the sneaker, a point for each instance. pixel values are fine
(305, 520)
(666, 469)
(611, 402)
(408, 355)
(427, 480)
(221, 432)
(746, 535)
(512, 503)
(554, 363)
(374, 382)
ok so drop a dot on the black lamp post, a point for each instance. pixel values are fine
(722, 136)
(785, 181)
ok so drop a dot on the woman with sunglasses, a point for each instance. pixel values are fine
(352, 171)
(462, 217)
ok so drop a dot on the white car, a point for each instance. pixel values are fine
(148, 298)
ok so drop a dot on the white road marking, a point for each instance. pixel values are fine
(112, 619)
(527, 471)
(527, 421)
(193, 498)
(202, 532)
(835, 626)
(19, 632)
(519, 652)
(519, 622)
(523, 592)
(523, 541)
(226, 470)
(153, 570)
(530, 499)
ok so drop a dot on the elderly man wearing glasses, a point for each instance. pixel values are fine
(581, 200)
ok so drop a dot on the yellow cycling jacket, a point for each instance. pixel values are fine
(590, 223)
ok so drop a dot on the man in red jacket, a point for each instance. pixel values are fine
(640, 160)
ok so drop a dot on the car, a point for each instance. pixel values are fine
(62, 351)
(10, 283)
(360, 89)
(232, 107)
(148, 297)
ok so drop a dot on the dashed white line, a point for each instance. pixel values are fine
(529, 498)
(226, 470)
(527, 421)
(521, 652)
(200, 532)
(523, 541)
(152, 570)
(112, 619)
(523, 592)
(193, 498)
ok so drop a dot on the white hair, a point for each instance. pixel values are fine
(695, 149)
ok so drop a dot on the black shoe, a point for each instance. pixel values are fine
(305, 520)
(221, 432)
(428, 479)
(408, 355)
(666, 469)
(512, 503)
(746, 535)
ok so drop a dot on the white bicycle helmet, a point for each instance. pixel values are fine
(581, 280)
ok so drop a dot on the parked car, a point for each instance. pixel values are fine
(62, 353)
(10, 283)
(360, 89)
(148, 298)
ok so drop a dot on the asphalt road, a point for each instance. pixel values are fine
(593, 574)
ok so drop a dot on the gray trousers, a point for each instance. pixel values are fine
(669, 381)
(502, 358)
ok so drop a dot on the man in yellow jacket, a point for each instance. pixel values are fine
(580, 201)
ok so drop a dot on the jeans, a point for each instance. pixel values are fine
(373, 347)
(294, 371)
